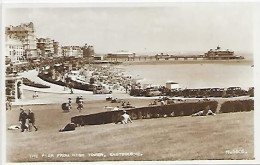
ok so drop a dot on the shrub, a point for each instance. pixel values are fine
(180, 109)
(33, 84)
(48, 79)
(237, 106)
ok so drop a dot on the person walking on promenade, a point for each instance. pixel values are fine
(35, 95)
(22, 119)
(70, 104)
(31, 119)
(8, 105)
(80, 103)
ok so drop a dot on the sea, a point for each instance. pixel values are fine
(194, 75)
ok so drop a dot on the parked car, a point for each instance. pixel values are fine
(152, 92)
(101, 89)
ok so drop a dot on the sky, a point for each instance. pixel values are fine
(175, 29)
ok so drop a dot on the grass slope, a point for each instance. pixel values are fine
(173, 138)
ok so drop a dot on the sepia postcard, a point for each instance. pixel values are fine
(130, 83)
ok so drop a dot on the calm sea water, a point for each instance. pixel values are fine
(194, 75)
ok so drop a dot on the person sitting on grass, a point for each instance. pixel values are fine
(125, 118)
(204, 112)
(163, 102)
(116, 108)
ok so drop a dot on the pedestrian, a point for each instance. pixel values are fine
(21, 108)
(31, 119)
(35, 95)
(80, 104)
(22, 119)
(10, 105)
(123, 104)
(126, 88)
(70, 104)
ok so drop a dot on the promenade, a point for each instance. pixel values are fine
(56, 93)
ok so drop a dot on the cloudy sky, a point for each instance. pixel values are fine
(179, 28)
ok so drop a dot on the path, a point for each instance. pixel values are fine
(33, 76)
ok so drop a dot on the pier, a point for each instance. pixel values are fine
(169, 57)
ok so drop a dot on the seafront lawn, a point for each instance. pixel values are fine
(172, 138)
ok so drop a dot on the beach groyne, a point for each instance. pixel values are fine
(171, 110)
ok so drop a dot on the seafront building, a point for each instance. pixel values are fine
(88, 51)
(41, 46)
(57, 49)
(36, 48)
(25, 33)
(23, 51)
(14, 50)
(48, 48)
(72, 51)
